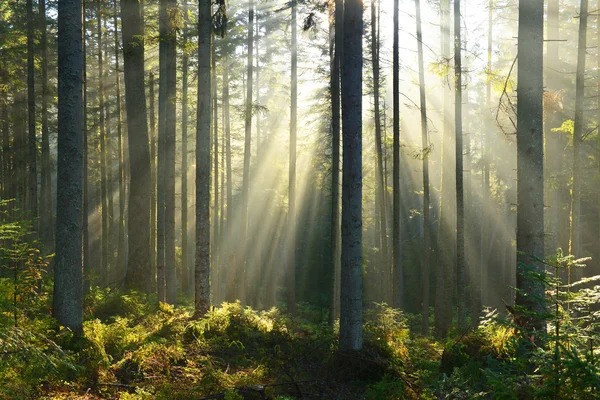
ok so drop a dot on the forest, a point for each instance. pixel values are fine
(303, 199)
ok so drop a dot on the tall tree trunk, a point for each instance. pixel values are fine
(103, 273)
(202, 269)
(337, 43)
(530, 161)
(161, 176)
(215, 119)
(46, 209)
(32, 204)
(170, 43)
(139, 273)
(120, 266)
(184, 166)
(575, 234)
(242, 272)
(153, 194)
(291, 222)
(379, 148)
(486, 154)
(230, 289)
(67, 306)
(351, 287)
(7, 154)
(86, 249)
(425, 145)
(461, 275)
(398, 273)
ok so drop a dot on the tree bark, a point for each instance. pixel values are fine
(242, 270)
(530, 160)
(67, 306)
(31, 196)
(575, 234)
(46, 209)
(291, 222)
(202, 269)
(425, 146)
(335, 53)
(184, 166)
(139, 273)
(351, 285)
(461, 275)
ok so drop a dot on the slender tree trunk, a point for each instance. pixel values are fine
(121, 239)
(139, 272)
(202, 271)
(425, 145)
(7, 154)
(351, 288)
(161, 176)
(398, 273)
(485, 235)
(215, 119)
(242, 272)
(291, 224)
(31, 139)
(67, 306)
(170, 42)
(86, 249)
(379, 147)
(184, 167)
(530, 160)
(575, 247)
(230, 288)
(46, 209)
(460, 218)
(336, 53)
(153, 194)
(103, 273)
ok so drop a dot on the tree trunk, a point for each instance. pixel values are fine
(67, 306)
(120, 266)
(291, 222)
(230, 289)
(32, 203)
(461, 275)
(86, 249)
(139, 273)
(398, 273)
(351, 285)
(184, 166)
(242, 270)
(215, 121)
(575, 234)
(379, 150)
(425, 145)
(530, 161)
(202, 269)
(335, 53)
(46, 209)
(153, 194)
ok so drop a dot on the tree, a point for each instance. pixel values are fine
(460, 217)
(184, 160)
(31, 138)
(380, 194)
(46, 210)
(336, 54)
(167, 114)
(351, 279)
(398, 273)
(67, 306)
(202, 268)
(291, 222)
(425, 155)
(575, 234)
(530, 161)
(139, 274)
(242, 272)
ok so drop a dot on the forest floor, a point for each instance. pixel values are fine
(135, 349)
